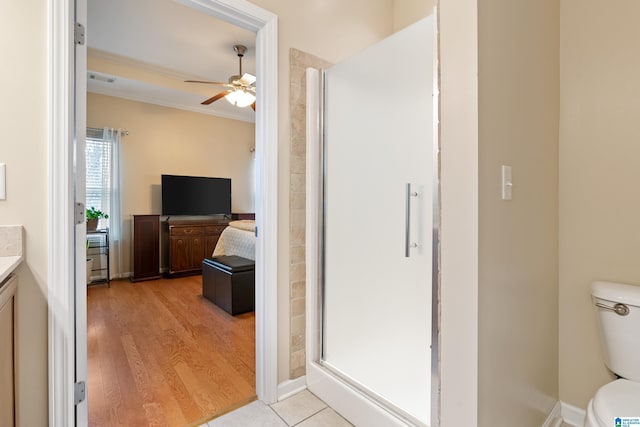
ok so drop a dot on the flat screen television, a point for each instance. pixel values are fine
(195, 195)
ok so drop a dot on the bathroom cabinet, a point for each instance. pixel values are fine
(7, 352)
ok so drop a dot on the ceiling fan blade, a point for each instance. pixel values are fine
(216, 97)
(253, 106)
(247, 79)
(205, 82)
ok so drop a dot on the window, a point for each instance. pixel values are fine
(102, 155)
(99, 158)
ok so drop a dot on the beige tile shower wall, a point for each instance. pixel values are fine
(299, 62)
(599, 176)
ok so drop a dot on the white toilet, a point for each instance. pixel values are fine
(618, 308)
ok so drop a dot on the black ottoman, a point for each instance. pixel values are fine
(229, 282)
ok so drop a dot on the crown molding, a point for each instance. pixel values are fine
(135, 63)
(168, 104)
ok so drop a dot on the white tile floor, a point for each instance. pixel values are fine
(301, 410)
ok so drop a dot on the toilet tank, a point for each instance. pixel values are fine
(619, 333)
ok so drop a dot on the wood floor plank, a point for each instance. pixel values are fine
(153, 411)
(168, 393)
(95, 382)
(162, 355)
(123, 394)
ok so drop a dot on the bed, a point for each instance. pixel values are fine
(239, 238)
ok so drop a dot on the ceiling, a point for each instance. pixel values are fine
(151, 46)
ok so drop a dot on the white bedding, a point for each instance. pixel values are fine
(234, 241)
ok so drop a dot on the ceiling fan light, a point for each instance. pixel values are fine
(240, 98)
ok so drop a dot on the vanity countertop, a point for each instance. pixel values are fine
(10, 249)
(7, 265)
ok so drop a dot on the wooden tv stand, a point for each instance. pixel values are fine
(190, 242)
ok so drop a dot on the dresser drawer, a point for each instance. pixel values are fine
(214, 229)
(185, 231)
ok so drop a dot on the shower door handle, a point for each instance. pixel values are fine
(407, 222)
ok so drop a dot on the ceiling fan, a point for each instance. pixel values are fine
(241, 89)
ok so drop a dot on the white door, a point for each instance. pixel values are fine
(378, 210)
(80, 129)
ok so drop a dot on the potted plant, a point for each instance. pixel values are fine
(93, 216)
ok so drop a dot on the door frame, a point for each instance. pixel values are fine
(61, 252)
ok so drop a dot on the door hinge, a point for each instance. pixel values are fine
(78, 33)
(256, 231)
(79, 392)
(78, 215)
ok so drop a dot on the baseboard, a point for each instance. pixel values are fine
(555, 417)
(572, 415)
(290, 387)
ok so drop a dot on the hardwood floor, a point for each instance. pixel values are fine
(160, 354)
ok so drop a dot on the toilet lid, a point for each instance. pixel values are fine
(618, 399)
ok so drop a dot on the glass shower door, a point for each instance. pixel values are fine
(378, 210)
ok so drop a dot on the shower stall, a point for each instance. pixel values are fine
(372, 229)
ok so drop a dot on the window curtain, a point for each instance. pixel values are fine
(115, 216)
(103, 185)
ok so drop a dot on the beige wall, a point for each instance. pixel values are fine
(518, 239)
(165, 140)
(329, 29)
(23, 148)
(406, 12)
(599, 152)
(458, 344)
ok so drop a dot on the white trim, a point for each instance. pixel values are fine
(554, 419)
(563, 412)
(135, 63)
(60, 227)
(350, 403)
(288, 388)
(572, 414)
(265, 24)
(267, 210)
(237, 12)
(164, 103)
(60, 233)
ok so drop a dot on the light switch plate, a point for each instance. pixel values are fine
(3, 181)
(507, 184)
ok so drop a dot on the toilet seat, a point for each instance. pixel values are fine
(620, 398)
